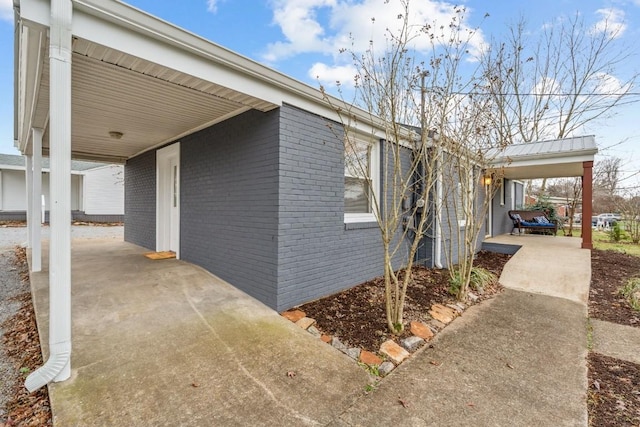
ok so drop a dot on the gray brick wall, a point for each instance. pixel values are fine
(318, 254)
(229, 202)
(140, 200)
(262, 201)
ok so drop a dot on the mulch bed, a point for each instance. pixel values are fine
(357, 316)
(610, 271)
(22, 346)
(614, 385)
(614, 392)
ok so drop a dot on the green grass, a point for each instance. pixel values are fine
(602, 241)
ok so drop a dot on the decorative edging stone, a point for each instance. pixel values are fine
(390, 354)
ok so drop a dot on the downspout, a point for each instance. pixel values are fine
(58, 366)
(437, 257)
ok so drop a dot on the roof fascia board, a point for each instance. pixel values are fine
(543, 160)
(128, 36)
(35, 12)
(525, 160)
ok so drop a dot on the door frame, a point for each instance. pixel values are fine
(164, 196)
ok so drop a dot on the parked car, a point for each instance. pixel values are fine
(605, 220)
(610, 216)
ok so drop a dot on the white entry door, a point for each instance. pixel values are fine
(168, 199)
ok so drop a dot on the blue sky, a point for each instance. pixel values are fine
(301, 37)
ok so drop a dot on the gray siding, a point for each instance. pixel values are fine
(229, 202)
(140, 200)
(318, 253)
(501, 222)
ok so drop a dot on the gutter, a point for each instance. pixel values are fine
(58, 366)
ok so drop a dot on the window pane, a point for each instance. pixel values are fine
(356, 159)
(356, 195)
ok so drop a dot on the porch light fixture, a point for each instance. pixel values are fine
(115, 134)
(487, 179)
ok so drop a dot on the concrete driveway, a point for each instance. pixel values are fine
(166, 343)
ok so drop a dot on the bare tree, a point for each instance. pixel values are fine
(570, 189)
(550, 85)
(414, 97)
(630, 208)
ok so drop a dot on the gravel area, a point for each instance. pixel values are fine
(12, 236)
(10, 286)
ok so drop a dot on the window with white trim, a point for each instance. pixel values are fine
(360, 180)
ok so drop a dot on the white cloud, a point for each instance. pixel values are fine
(212, 6)
(326, 26)
(6, 10)
(611, 22)
(299, 24)
(606, 84)
(331, 75)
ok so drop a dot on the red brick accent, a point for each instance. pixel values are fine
(294, 315)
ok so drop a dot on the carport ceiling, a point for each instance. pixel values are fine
(148, 103)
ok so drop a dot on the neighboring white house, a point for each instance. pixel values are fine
(97, 189)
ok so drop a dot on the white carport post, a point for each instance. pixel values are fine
(28, 160)
(35, 225)
(58, 366)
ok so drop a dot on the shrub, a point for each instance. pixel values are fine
(480, 279)
(616, 233)
(631, 292)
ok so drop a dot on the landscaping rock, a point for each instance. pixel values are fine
(326, 338)
(294, 315)
(369, 358)
(456, 308)
(314, 331)
(473, 297)
(385, 368)
(336, 343)
(411, 344)
(436, 325)
(305, 322)
(442, 313)
(353, 353)
(394, 352)
(421, 330)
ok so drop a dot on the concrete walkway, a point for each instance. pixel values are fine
(166, 343)
(613, 340)
(548, 265)
(517, 360)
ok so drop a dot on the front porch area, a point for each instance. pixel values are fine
(167, 343)
(551, 265)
